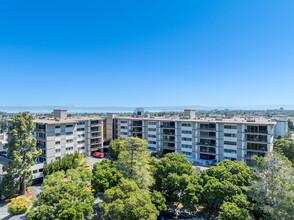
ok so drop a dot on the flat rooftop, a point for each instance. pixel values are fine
(65, 121)
(258, 121)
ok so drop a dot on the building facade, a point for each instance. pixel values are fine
(202, 139)
(60, 135)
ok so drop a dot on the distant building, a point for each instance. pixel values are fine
(281, 127)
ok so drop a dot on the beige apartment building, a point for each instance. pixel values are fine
(61, 135)
(201, 138)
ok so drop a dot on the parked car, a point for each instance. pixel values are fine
(98, 154)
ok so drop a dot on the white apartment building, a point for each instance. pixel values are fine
(202, 139)
(61, 135)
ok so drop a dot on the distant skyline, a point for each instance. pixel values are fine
(147, 53)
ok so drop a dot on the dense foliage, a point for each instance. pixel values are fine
(64, 196)
(127, 201)
(224, 182)
(230, 211)
(273, 190)
(69, 161)
(19, 205)
(285, 147)
(105, 176)
(9, 186)
(21, 150)
(115, 147)
(134, 162)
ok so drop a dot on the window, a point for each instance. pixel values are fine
(57, 158)
(69, 126)
(35, 171)
(81, 123)
(230, 151)
(124, 122)
(80, 129)
(57, 142)
(81, 148)
(152, 136)
(230, 126)
(186, 132)
(57, 134)
(69, 133)
(69, 148)
(57, 150)
(151, 129)
(186, 146)
(186, 124)
(230, 135)
(152, 142)
(187, 153)
(57, 126)
(123, 127)
(81, 142)
(69, 141)
(124, 133)
(81, 135)
(40, 170)
(151, 123)
(230, 142)
(186, 139)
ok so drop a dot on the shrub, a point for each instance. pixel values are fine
(19, 206)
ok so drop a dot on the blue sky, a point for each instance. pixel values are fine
(147, 53)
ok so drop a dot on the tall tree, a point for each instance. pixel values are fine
(134, 162)
(273, 190)
(115, 147)
(21, 149)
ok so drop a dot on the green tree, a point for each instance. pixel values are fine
(273, 190)
(285, 148)
(69, 161)
(127, 201)
(171, 163)
(225, 183)
(9, 186)
(21, 150)
(134, 162)
(230, 211)
(159, 201)
(115, 147)
(64, 196)
(182, 189)
(105, 176)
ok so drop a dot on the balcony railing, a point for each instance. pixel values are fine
(256, 132)
(206, 144)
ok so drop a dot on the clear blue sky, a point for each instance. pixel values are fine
(147, 53)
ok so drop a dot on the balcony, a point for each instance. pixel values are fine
(167, 133)
(206, 144)
(256, 131)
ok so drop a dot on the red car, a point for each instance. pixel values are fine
(98, 154)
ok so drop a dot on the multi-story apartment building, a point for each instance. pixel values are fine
(62, 135)
(201, 138)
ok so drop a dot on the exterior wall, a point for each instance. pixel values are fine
(199, 140)
(280, 128)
